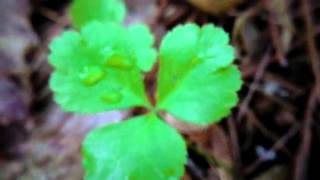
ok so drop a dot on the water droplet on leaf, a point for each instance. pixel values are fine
(107, 52)
(201, 55)
(111, 97)
(91, 75)
(118, 61)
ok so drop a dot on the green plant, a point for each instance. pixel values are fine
(101, 68)
(83, 12)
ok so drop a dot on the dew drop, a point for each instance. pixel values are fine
(91, 75)
(117, 61)
(201, 55)
(107, 52)
(111, 97)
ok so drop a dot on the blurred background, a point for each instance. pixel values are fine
(273, 134)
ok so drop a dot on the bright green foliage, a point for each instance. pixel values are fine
(197, 82)
(99, 69)
(142, 40)
(140, 148)
(85, 11)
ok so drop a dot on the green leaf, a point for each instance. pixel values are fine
(141, 148)
(84, 11)
(197, 82)
(141, 41)
(96, 71)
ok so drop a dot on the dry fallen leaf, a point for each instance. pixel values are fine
(278, 172)
(54, 149)
(215, 7)
(214, 143)
(13, 105)
(16, 36)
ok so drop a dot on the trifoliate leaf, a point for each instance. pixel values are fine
(197, 81)
(97, 69)
(141, 148)
(85, 11)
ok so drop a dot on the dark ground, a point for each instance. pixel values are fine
(274, 133)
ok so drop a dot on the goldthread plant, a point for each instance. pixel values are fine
(101, 67)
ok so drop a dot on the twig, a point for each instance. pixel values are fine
(275, 34)
(194, 171)
(234, 143)
(251, 116)
(311, 46)
(180, 14)
(276, 146)
(254, 85)
(213, 161)
(61, 20)
(160, 11)
(303, 152)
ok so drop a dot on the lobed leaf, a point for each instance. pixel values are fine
(84, 11)
(141, 40)
(197, 82)
(140, 148)
(98, 69)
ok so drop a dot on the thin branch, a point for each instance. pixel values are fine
(303, 152)
(254, 85)
(234, 140)
(276, 146)
(311, 45)
(213, 161)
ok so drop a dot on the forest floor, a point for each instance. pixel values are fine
(274, 132)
